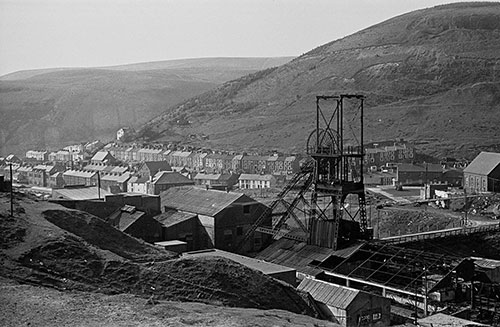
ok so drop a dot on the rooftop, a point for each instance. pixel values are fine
(170, 177)
(333, 295)
(201, 201)
(80, 193)
(484, 163)
(171, 218)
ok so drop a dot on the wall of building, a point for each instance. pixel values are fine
(146, 228)
(232, 223)
(369, 310)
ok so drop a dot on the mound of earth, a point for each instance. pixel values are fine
(101, 234)
(49, 245)
(27, 305)
(393, 221)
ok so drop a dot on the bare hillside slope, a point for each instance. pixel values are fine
(431, 76)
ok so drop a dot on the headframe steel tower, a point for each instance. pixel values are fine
(315, 198)
(338, 170)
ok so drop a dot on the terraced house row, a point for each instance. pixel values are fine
(208, 162)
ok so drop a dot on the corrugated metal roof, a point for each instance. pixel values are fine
(486, 263)
(484, 163)
(201, 201)
(295, 254)
(333, 295)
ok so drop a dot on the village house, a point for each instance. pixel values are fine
(41, 174)
(253, 164)
(56, 180)
(93, 146)
(150, 168)
(291, 165)
(227, 215)
(147, 154)
(198, 160)
(419, 174)
(218, 181)
(137, 184)
(23, 175)
(115, 183)
(483, 173)
(103, 158)
(37, 155)
(163, 180)
(250, 181)
(78, 177)
(236, 163)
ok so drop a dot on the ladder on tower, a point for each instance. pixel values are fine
(305, 170)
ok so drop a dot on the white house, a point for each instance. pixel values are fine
(256, 181)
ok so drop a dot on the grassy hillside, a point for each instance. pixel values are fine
(431, 76)
(54, 107)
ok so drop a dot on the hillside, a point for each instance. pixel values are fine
(431, 76)
(51, 108)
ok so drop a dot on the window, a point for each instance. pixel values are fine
(364, 319)
(239, 231)
(377, 316)
(246, 209)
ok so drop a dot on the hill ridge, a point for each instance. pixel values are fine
(427, 57)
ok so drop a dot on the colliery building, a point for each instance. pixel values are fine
(227, 216)
(483, 173)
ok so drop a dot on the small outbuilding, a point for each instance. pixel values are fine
(348, 306)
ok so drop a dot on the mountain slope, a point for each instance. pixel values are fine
(54, 107)
(431, 76)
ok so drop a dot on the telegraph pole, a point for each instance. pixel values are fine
(11, 193)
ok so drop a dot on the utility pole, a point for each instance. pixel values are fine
(466, 208)
(416, 297)
(11, 193)
(98, 185)
(425, 292)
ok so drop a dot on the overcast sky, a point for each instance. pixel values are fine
(90, 33)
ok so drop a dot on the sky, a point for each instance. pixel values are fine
(37, 34)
